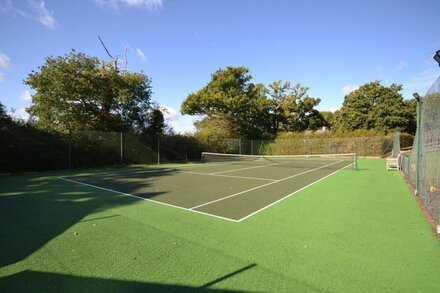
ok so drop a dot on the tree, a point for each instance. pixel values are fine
(329, 118)
(156, 121)
(231, 95)
(5, 119)
(292, 108)
(252, 110)
(81, 92)
(376, 107)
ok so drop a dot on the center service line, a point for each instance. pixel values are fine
(261, 186)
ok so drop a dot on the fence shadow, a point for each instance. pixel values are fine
(34, 210)
(32, 281)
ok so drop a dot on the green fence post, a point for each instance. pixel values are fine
(70, 149)
(186, 149)
(418, 152)
(122, 148)
(158, 149)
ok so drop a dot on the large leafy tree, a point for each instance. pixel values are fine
(81, 92)
(292, 108)
(252, 110)
(231, 95)
(156, 121)
(376, 107)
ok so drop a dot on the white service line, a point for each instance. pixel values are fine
(229, 176)
(290, 194)
(147, 199)
(261, 186)
(247, 168)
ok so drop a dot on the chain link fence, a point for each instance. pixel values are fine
(421, 167)
(374, 146)
(99, 148)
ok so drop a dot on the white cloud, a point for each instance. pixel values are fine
(180, 123)
(140, 55)
(8, 6)
(149, 4)
(401, 65)
(26, 96)
(19, 113)
(347, 89)
(44, 16)
(423, 79)
(2, 77)
(5, 62)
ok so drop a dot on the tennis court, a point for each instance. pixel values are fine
(230, 187)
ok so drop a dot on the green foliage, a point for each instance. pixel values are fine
(374, 106)
(406, 140)
(23, 147)
(78, 91)
(252, 110)
(156, 121)
(292, 108)
(329, 118)
(362, 142)
(230, 95)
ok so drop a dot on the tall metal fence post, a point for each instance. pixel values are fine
(70, 149)
(122, 148)
(239, 145)
(418, 152)
(186, 149)
(158, 149)
(252, 146)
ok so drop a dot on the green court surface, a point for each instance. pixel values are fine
(352, 231)
(228, 190)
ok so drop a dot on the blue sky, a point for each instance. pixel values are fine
(330, 46)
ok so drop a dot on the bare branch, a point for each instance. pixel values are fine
(105, 47)
(126, 60)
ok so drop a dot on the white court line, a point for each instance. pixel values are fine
(229, 176)
(147, 199)
(290, 194)
(247, 168)
(261, 186)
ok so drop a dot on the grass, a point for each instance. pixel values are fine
(354, 231)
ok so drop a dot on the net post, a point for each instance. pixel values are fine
(239, 145)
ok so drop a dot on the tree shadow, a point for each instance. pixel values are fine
(32, 281)
(34, 210)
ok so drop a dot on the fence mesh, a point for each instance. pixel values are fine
(422, 166)
(363, 146)
(99, 148)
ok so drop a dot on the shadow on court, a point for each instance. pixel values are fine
(34, 210)
(31, 281)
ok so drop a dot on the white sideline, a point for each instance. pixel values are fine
(261, 186)
(147, 199)
(290, 194)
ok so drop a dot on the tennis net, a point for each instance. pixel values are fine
(285, 160)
